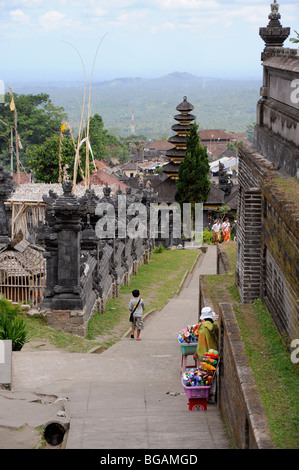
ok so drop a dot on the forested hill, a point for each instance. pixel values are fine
(218, 103)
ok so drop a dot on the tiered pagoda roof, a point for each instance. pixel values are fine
(177, 154)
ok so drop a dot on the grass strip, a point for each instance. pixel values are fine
(276, 377)
(157, 281)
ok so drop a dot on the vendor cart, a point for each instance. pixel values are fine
(188, 349)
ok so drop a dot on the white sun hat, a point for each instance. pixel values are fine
(207, 312)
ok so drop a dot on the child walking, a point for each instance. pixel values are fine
(136, 306)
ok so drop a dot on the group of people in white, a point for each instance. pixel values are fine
(224, 228)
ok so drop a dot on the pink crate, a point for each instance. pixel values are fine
(197, 392)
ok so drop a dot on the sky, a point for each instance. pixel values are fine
(60, 40)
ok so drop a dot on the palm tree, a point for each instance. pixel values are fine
(295, 40)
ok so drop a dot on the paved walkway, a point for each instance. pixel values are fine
(130, 396)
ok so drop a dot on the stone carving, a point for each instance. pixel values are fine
(274, 34)
(274, 11)
(83, 271)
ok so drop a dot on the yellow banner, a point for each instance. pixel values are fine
(12, 105)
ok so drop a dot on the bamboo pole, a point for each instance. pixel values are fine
(16, 135)
(59, 156)
(87, 171)
(77, 156)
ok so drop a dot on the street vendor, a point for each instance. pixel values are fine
(208, 333)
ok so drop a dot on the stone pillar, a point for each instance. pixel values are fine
(69, 292)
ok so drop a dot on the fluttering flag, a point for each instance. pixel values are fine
(12, 105)
(82, 142)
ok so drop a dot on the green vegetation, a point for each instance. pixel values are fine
(276, 377)
(158, 282)
(12, 324)
(295, 40)
(289, 192)
(207, 236)
(219, 103)
(45, 135)
(38, 119)
(104, 145)
(159, 249)
(43, 159)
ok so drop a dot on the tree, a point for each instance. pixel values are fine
(193, 185)
(295, 40)
(44, 159)
(38, 119)
(250, 131)
(105, 145)
(235, 146)
(222, 212)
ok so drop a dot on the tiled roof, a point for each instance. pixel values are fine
(232, 199)
(25, 178)
(213, 134)
(130, 166)
(101, 178)
(216, 195)
(100, 164)
(161, 145)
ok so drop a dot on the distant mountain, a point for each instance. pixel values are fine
(218, 103)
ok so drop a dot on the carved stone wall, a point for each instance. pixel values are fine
(268, 224)
(277, 131)
(267, 243)
(84, 270)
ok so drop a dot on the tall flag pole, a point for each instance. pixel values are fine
(14, 109)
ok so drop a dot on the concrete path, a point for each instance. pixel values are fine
(130, 396)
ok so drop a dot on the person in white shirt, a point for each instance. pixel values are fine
(216, 231)
(136, 306)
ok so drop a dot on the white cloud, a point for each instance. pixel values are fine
(187, 4)
(53, 20)
(19, 16)
(132, 16)
(99, 12)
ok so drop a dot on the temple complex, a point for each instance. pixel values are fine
(268, 220)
